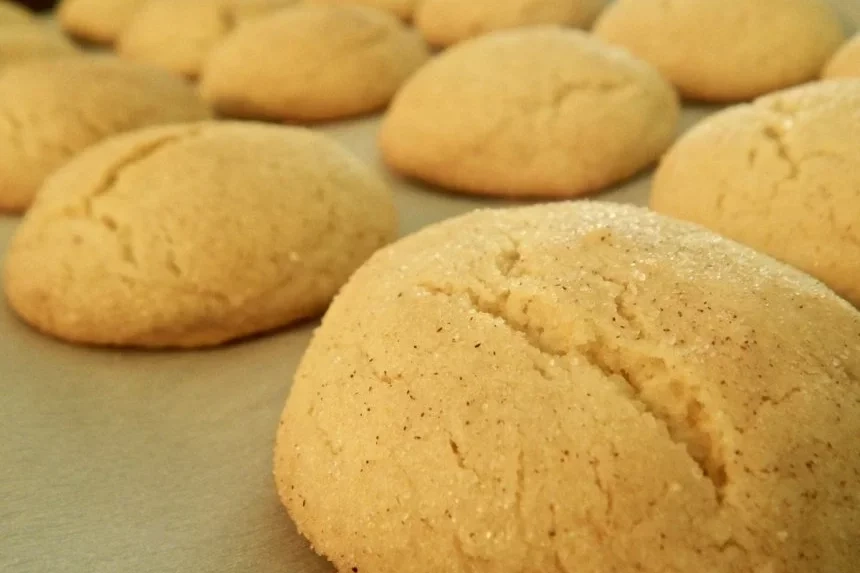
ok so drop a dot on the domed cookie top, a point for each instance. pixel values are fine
(13, 13)
(312, 62)
(403, 9)
(179, 34)
(194, 235)
(781, 175)
(96, 21)
(726, 50)
(577, 387)
(19, 43)
(543, 111)
(446, 22)
(52, 109)
(846, 61)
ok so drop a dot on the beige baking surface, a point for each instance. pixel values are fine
(115, 462)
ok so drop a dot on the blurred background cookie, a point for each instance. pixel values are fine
(12, 13)
(52, 109)
(403, 9)
(577, 387)
(178, 34)
(193, 235)
(24, 42)
(845, 62)
(446, 22)
(726, 50)
(542, 111)
(96, 21)
(781, 175)
(312, 62)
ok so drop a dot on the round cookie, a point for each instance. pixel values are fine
(542, 111)
(52, 109)
(193, 235)
(781, 175)
(14, 14)
(96, 21)
(732, 50)
(446, 22)
(403, 9)
(179, 34)
(311, 63)
(28, 42)
(846, 62)
(577, 387)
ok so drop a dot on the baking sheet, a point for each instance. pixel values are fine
(159, 462)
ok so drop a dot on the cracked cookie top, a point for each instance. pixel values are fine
(781, 175)
(446, 22)
(193, 235)
(179, 34)
(96, 21)
(577, 387)
(543, 111)
(312, 62)
(726, 50)
(50, 110)
(846, 62)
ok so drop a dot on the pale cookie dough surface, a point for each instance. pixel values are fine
(193, 235)
(781, 175)
(12, 13)
(52, 109)
(19, 43)
(543, 111)
(577, 387)
(179, 34)
(403, 9)
(97, 21)
(312, 62)
(726, 50)
(846, 62)
(446, 22)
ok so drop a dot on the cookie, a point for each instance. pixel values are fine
(846, 61)
(446, 22)
(731, 50)
(781, 175)
(577, 387)
(193, 235)
(312, 63)
(13, 13)
(19, 43)
(96, 21)
(179, 34)
(542, 111)
(52, 109)
(403, 9)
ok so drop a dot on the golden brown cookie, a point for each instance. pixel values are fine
(96, 21)
(312, 62)
(446, 22)
(179, 34)
(403, 9)
(781, 175)
(726, 50)
(19, 43)
(13, 13)
(845, 62)
(577, 387)
(194, 235)
(542, 111)
(51, 110)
